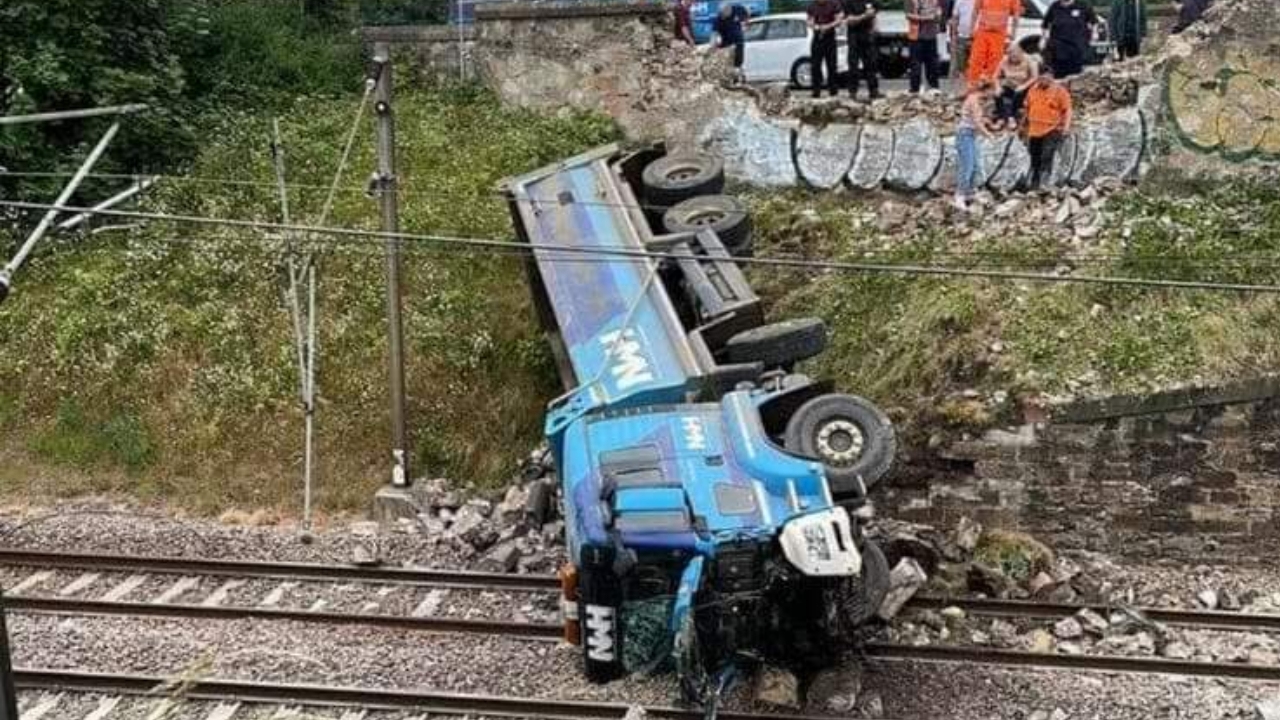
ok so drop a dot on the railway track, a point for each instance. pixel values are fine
(113, 605)
(41, 562)
(291, 695)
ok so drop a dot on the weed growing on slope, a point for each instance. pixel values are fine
(188, 325)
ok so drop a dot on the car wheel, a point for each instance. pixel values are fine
(802, 74)
(850, 436)
(670, 180)
(725, 215)
(779, 344)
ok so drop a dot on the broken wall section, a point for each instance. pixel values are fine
(1200, 477)
(618, 58)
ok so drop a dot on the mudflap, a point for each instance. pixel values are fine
(599, 604)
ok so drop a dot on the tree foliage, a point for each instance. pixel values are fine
(186, 59)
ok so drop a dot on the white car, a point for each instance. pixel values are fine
(778, 45)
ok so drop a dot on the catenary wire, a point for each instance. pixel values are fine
(776, 262)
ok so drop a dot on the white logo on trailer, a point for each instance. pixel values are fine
(695, 433)
(600, 633)
(627, 362)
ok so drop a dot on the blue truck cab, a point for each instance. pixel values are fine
(711, 494)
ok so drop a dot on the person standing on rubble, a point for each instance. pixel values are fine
(994, 23)
(727, 32)
(860, 18)
(1068, 29)
(924, 22)
(1048, 120)
(1128, 26)
(973, 122)
(824, 16)
(960, 15)
(684, 21)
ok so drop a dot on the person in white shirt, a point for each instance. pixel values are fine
(960, 28)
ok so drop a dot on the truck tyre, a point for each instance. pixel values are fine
(802, 74)
(724, 214)
(779, 344)
(671, 180)
(852, 438)
(862, 595)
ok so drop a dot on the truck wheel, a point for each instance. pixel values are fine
(852, 438)
(724, 214)
(779, 344)
(862, 595)
(675, 178)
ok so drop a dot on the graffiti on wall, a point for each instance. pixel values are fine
(1227, 103)
(913, 156)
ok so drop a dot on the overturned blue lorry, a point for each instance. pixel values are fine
(713, 496)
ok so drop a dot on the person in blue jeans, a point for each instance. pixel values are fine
(973, 122)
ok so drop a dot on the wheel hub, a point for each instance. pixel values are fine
(682, 174)
(707, 218)
(840, 442)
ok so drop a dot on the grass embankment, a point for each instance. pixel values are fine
(158, 361)
(959, 352)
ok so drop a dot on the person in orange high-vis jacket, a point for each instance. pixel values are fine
(994, 23)
(1048, 119)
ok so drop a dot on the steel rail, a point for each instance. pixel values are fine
(1204, 619)
(433, 702)
(18, 604)
(275, 570)
(1100, 663)
(1200, 619)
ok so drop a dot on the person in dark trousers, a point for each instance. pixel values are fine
(1068, 25)
(924, 22)
(1190, 13)
(684, 21)
(860, 18)
(824, 17)
(728, 33)
(1048, 119)
(1128, 26)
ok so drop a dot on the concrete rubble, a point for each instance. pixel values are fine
(906, 578)
(777, 687)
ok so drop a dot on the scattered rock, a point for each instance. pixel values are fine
(502, 558)
(966, 534)
(989, 581)
(1042, 584)
(512, 507)
(1068, 629)
(1141, 643)
(905, 579)
(1040, 641)
(953, 613)
(365, 548)
(778, 687)
(1177, 650)
(1208, 599)
(1092, 622)
(835, 690)
(873, 707)
(636, 712)
(1268, 709)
